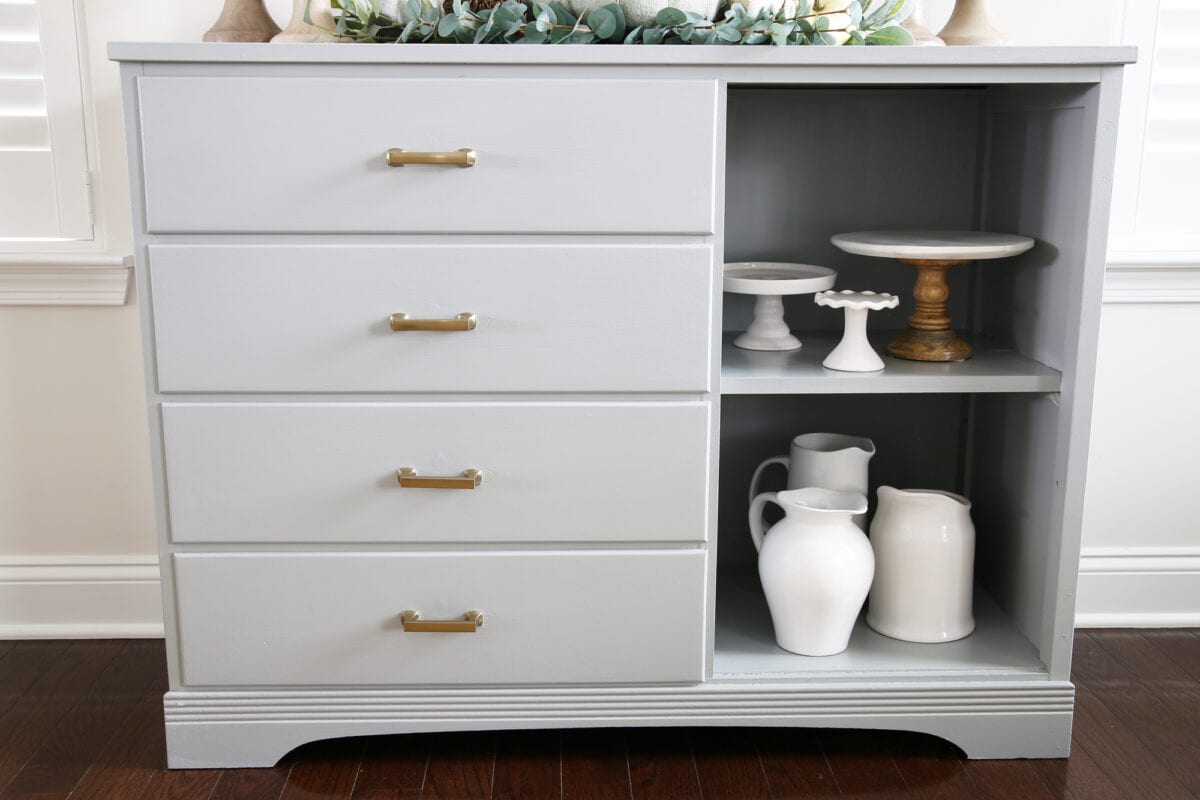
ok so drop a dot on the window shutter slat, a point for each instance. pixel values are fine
(18, 22)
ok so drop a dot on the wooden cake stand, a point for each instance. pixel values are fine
(930, 336)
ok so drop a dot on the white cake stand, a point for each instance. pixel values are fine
(769, 281)
(854, 353)
(930, 336)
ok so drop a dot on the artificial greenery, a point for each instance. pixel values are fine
(871, 22)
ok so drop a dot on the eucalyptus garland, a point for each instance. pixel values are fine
(800, 22)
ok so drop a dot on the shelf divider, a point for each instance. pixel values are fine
(993, 369)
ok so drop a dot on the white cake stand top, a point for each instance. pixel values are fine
(857, 301)
(933, 245)
(777, 278)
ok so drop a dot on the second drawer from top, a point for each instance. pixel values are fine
(543, 318)
(329, 472)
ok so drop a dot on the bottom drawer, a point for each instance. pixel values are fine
(334, 619)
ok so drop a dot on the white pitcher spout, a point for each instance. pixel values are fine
(823, 502)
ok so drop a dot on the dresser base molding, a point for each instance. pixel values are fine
(1022, 719)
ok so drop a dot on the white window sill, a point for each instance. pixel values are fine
(64, 280)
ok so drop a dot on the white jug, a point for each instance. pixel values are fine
(815, 566)
(825, 460)
(924, 545)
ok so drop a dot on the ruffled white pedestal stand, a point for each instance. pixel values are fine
(854, 353)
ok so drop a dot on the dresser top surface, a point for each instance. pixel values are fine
(948, 57)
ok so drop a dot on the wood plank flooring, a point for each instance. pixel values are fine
(83, 721)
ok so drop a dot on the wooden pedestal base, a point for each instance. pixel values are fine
(930, 336)
(929, 346)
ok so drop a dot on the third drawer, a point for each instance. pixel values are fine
(329, 472)
(318, 318)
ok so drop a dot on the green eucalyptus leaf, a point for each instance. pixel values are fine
(856, 13)
(602, 22)
(619, 23)
(653, 35)
(447, 25)
(891, 35)
(563, 15)
(728, 32)
(534, 36)
(669, 17)
(879, 11)
(634, 35)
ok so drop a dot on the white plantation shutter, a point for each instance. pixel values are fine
(44, 179)
(1156, 203)
(1168, 203)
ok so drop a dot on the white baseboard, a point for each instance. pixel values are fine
(80, 597)
(1129, 587)
(100, 597)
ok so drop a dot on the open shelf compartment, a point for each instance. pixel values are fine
(746, 649)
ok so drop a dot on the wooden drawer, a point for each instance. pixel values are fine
(277, 155)
(549, 318)
(551, 472)
(334, 619)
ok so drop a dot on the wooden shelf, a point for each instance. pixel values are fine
(746, 648)
(991, 369)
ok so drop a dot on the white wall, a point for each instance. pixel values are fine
(76, 521)
(77, 542)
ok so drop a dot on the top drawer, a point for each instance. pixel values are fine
(281, 155)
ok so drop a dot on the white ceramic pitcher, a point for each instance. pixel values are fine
(924, 544)
(825, 460)
(815, 566)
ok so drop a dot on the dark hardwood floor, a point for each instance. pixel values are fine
(82, 720)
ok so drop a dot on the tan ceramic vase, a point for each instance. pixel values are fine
(300, 31)
(915, 24)
(970, 24)
(242, 21)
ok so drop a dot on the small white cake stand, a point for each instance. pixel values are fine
(769, 281)
(854, 353)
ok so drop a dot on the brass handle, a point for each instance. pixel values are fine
(465, 321)
(464, 157)
(410, 480)
(413, 623)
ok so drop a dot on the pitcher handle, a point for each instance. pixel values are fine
(757, 529)
(759, 471)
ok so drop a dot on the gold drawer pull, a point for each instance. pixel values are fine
(464, 157)
(413, 623)
(465, 321)
(410, 480)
